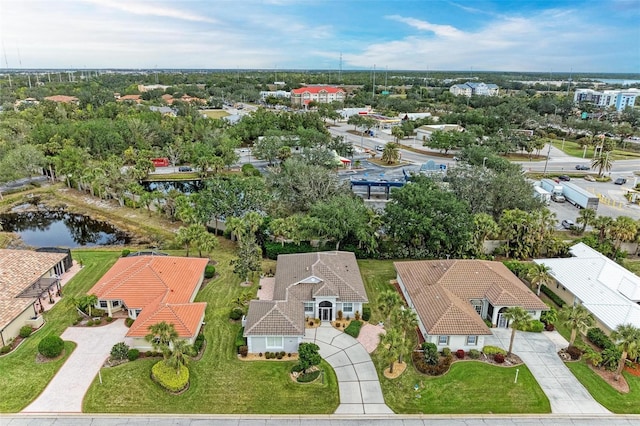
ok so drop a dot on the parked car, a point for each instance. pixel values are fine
(558, 198)
(564, 178)
(589, 178)
(620, 181)
(568, 224)
(379, 147)
(185, 169)
(582, 167)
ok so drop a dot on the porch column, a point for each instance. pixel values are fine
(109, 302)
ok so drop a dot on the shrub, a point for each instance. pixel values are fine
(297, 368)
(125, 253)
(97, 312)
(119, 350)
(51, 346)
(474, 354)
(460, 354)
(97, 321)
(249, 170)
(209, 271)
(574, 352)
(260, 354)
(599, 338)
(308, 377)
(353, 329)
(240, 340)
(90, 323)
(5, 349)
(446, 351)
(338, 324)
(488, 323)
(499, 358)
(167, 378)
(317, 320)
(340, 315)
(366, 313)
(148, 354)
(243, 351)
(356, 316)
(492, 350)
(128, 322)
(26, 331)
(236, 314)
(197, 344)
(312, 323)
(279, 355)
(430, 352)
(133, 354)
(549, 327)
(440, 367)
(556, 299)
(289, 355)
(535, 326)
(610, 358)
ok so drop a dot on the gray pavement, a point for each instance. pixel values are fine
(66, 390)
(330, 420)
(566, 394)
(360, 391)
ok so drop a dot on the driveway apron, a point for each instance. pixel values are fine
(65, 392)
(566, 394)
(360, 391)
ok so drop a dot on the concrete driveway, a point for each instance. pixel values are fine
(360, 391)
(65, 392)
(539, 352)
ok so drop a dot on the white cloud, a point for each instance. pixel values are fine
(438, 30)
(149, 9)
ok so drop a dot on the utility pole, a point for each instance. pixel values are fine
(373, 89)
(544, 173)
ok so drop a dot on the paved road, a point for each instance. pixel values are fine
(331, 420)
(566, 394)
(360, 391)
(66, 390)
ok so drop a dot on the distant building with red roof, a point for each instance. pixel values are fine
(320, 94)
(152, 289)
(130, 98)
(63, 99)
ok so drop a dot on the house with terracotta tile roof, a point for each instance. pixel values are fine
(452, 299)
(130, 98)
(152, 289)
(307, 285)
(63, 99)
(320, 94)
(27, 279)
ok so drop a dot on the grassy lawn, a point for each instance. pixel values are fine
(602, 392)
(21, 378)
(220, 383)
(632, 265)
(470, 387)
(573, 149)
(215, 113)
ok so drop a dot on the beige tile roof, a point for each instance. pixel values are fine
(441, 291)
(333, 273)
(275, 318)
(18, 270)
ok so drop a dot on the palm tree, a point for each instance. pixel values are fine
(397, 133)
(187, 235)
(236, 227)
(623, 229)
(407, 320)
(391, 153)
(602, 163)
(603, 225)
(627, 337)
(539, 275)
(162, 336)
(179, 355)
(206, 242)
(388, 301)
(393, 342)
(278, 228)
(577, 317)
(586, 217)
(518, 318)
(483, 227)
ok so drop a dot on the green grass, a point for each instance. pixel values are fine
(22, 379)
(214, 113)
(470, 387)
(602, 392)
(632, 265)
(574, 149)
(220, 383)
(376, 275)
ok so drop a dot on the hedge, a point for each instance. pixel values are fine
(556, 299)
(240, 340)
(273, 249)
(353, 329)
(492, 350)
(133, 354)
(599, 338)
(51, 346)
(366, 312)
(167, 378)
(535, 326)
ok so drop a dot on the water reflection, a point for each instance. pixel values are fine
(183, 186)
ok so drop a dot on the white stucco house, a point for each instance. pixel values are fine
(307, 286)
(452, 298)
(610, 292)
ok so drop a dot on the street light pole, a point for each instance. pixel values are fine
(544, 173)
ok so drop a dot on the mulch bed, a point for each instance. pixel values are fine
(634, 370)
(620, 385)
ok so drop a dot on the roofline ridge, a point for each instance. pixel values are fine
(285, 315)
(170, 307)
(247, 330)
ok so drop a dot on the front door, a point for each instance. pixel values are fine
(326, 309)
(502, 321)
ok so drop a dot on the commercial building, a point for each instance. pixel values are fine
(478, 89)
(620, 99)
(320, 94)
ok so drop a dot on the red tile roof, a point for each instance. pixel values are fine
(317, 89)
(162, 286)
(62, 98)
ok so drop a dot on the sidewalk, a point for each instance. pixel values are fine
(360, 391)
(539, 352)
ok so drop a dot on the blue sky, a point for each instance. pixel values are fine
(525, 35)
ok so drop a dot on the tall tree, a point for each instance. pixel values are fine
(578, 318)
(585, 217)
(308, 355)
(392, 342)
(162, 336)
(627, 338)
(602, 163)
(387, 302)
(539, 275)
(518, 319)
(391, 153)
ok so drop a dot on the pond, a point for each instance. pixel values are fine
(182, 186)
(59, 228)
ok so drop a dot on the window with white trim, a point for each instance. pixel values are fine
(443, 340)
(309, 307)
(103, 303)
(274, 342)
(347, 307)
(472, 340)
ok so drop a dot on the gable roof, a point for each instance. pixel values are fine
(19, 269)
(162, 286)
(441, 290)
(317, 89)
(274, 318)
(609, 291)
(303, 276)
